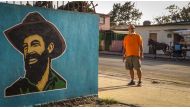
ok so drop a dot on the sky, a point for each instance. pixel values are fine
(150, 9)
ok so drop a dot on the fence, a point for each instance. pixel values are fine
(56, 4)
(81, 6)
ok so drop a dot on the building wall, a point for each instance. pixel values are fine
(116, 46)
(106, 25)
(78, 65)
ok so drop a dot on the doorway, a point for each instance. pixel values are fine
(152, 36)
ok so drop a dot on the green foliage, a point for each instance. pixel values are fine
(108, 39)
(120, 37)
(106, 101)
(175, 15)
(126, 13)
(162, 19)
(185, 13)
(80, 6)
(100, 39)
(115, 36)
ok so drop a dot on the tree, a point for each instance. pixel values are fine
(45, 4)
(162, 19)
(175, 15)
(185, 13)
(80, 6)
(122, 14)
(28, 4)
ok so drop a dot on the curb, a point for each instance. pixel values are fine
(145, 55)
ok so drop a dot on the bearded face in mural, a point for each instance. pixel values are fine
(39, 41)
(35, 55)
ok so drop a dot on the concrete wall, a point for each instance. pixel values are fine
(116, 46)
(78, 65)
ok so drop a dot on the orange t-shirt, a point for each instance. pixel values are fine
(131, 44)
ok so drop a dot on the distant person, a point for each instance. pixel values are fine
(183, 47)
(183, 44)
(133, 54)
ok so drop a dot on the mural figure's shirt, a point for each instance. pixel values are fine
(24, 86)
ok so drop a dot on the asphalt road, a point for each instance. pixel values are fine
(160, 70)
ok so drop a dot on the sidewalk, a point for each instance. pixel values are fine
(150, 94)
(146, 55)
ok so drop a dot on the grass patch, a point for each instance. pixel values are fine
(91, 101)
(106, 101)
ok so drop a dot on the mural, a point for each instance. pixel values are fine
(40, 42)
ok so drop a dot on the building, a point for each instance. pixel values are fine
(166, 33)
(104, 28)
(104, 23)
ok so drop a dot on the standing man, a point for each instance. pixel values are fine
(133, 54)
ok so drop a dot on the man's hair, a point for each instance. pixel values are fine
(45, 36)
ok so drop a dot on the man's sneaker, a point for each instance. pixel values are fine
(131, 83)
(139, 84)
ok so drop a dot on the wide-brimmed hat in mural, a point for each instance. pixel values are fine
(34, 23)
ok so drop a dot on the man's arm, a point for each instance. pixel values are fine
(141, 48)
(141, 52)
(124, 54)
(124, 51)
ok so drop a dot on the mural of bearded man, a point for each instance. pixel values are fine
(39, 41)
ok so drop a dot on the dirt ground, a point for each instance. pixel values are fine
(92, 101)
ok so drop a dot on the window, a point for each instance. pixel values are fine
(102, 20)
(169, 36)
(153, 36)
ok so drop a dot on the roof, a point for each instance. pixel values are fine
(167, 24)
(120, 32)
(101, 14)
(183, 32)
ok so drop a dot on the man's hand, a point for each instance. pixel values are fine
(141, 57)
